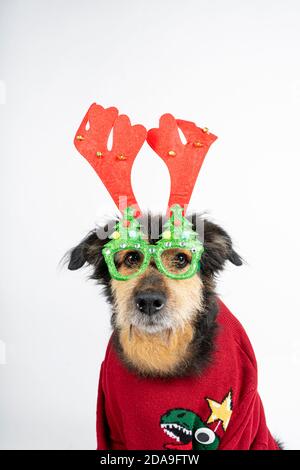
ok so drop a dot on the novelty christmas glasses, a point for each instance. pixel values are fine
(178, 252)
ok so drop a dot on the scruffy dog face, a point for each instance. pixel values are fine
(153, 302)
(162, 326)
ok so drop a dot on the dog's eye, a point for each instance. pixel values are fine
(132, 258)
(176, 260)
(181, 260)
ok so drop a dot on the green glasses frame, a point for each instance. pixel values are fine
(178, 233)
(155, 252)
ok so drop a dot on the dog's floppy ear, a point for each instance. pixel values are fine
(218, 249)
(88, 251)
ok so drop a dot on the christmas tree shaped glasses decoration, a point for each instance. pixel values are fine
(177, 254)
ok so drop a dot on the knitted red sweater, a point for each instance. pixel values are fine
(220, 409)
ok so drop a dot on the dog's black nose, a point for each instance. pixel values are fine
(150, 302)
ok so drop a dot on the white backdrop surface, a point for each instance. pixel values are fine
(233, 66)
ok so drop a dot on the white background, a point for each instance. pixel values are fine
(233, 66)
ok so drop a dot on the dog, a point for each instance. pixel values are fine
(178, 364)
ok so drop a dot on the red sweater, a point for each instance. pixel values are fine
(220, 409)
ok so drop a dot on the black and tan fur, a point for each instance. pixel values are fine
(179, 340)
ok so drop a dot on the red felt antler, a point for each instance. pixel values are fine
(183, 160)
(112, 166)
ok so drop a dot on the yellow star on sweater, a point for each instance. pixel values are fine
(220, 411)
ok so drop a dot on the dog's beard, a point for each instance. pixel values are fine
(165, 321)
(154, 324)
(159, 344)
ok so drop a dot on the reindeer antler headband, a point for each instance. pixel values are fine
(114, 168)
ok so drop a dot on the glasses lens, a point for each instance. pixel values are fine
(176, 260)
(128, 262)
